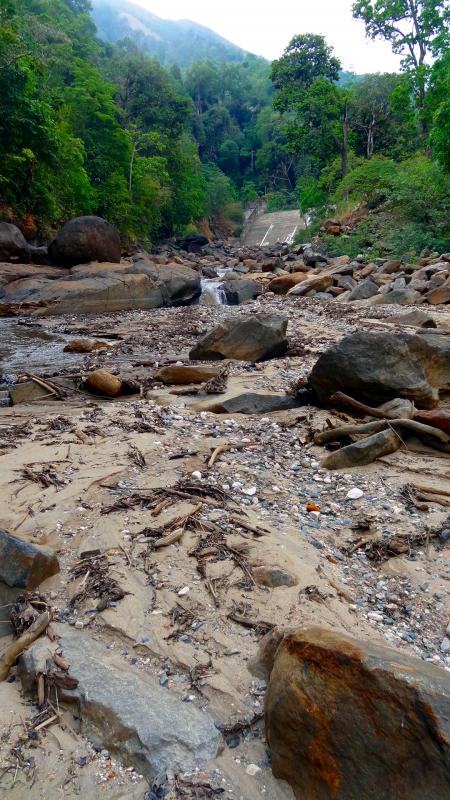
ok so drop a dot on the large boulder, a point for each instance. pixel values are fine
(375, 367)
(101, 288)
(252, 338)
(237, 292)
(125, 710)
(25, 564)
(85, 239)
(13, 245)
(347, 720)
(193, 243)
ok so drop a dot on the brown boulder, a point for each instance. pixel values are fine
(319, 283)
(440, 295)
(25, 564)
(283, 283)
(104, 383)
(184, 374)
(352, 720)
(84, 346)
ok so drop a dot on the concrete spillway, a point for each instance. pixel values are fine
(268, 229)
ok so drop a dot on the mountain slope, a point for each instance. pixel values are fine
(180, 42)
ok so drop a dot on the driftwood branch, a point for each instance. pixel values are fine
(21, 644)
(368, 428)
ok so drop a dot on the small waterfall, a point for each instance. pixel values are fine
(213, 293)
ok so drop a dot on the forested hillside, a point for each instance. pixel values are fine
(88, 126)
(178, 42)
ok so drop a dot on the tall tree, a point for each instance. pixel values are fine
(416, 29)
(306, 58)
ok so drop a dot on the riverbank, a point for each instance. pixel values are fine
(194, 631)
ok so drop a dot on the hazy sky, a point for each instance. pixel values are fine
(265, 27)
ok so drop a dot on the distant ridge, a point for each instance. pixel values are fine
(172, 42)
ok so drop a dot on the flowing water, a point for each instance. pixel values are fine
(30, 349)
(213, 293)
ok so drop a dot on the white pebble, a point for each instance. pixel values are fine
(355, 494)
(253, 769)
(183, 591)
(197, 475)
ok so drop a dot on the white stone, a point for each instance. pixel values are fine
(354, 494)
(183, 591)
(445, 645)
(253, 769)
(197, 475)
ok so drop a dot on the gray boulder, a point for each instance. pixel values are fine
(398, 297)
(237, 292)
(252, 338)
(254, 403)
(127, 711)
(85, 239)
(364, 290)
(13, 245)
(375, 367)
(24, 564)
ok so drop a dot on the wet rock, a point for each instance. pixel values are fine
(128, 712)
(365, 451)
(23, 564)
(251, 403)
(104, 383)
(237, 292)
(375, 367)
(273, 577)
(363, 290)
(85, 239)
(84, 346)
(252, 338)
(184, 374)
(347, 719)
(27, 392)
(13, 244)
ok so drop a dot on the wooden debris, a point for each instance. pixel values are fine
(97, 581)
(26, 609)
(45, 477)
(136, 456)
(224, 448)
(22, 643)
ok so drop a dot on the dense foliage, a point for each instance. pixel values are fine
(90, 127)
(378, 143)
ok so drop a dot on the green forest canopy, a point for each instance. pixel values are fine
(91, 127)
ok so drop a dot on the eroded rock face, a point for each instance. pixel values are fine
(100, 288)
(347, 720)
(85, 239)
(375, 367)
(126, 711)
(253, 338)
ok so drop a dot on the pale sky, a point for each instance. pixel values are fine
(265, 28)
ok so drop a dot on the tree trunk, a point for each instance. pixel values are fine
(370, 137)
(344, 147)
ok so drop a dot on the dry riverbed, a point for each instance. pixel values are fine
(87, 474)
